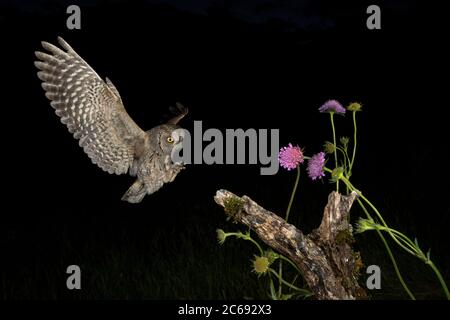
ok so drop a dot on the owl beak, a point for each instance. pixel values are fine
(178, 135)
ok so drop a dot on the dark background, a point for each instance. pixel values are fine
(246, 64)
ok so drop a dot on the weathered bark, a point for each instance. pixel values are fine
(325, 256)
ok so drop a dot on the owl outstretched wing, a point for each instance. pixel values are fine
(91, 108)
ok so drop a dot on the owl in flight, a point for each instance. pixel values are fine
(93, 111)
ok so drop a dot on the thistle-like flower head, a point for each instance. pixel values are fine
(290, 157)
(315, 166)
(332, 106)
(261, 265)
(354, 106)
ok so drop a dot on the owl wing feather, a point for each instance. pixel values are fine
(91, 109)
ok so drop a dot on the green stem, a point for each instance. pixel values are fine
(256, 243)
(345, 159)
(389, 230)
(394, 263)
(418, 253)
(412, 248)
(289, 261)
(391, 256)
(388, 249)
(386, 228)
(288, 210)
(295, 279)
(441, 279)
(287, 283)
(327, 170)
(294, 190)
(354, 141)
(272, 288)
(335, 146)
(372, 207)
(347, 182)
(347, 170)
(248, 238)
(396, 240)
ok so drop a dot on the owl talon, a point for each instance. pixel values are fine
(178, 167)
(135, 193)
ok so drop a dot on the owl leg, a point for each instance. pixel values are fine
(135, 193)
(172, 170)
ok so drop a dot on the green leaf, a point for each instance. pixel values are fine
(416, 242)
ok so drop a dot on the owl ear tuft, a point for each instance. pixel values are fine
(180, 112)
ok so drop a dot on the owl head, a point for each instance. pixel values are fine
(168, 136)
(165, 137)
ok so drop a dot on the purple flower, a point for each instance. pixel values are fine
(315, 166)
(332, 106)
(290, 157)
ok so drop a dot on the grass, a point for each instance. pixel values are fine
(134, 263)
(138, 260)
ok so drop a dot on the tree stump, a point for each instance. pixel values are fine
(325, 256)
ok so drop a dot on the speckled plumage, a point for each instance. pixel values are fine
(93, 111)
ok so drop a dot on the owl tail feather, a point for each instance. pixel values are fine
(135, 193)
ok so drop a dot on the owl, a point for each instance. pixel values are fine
(93, 111)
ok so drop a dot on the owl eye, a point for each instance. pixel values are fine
(170, 140)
